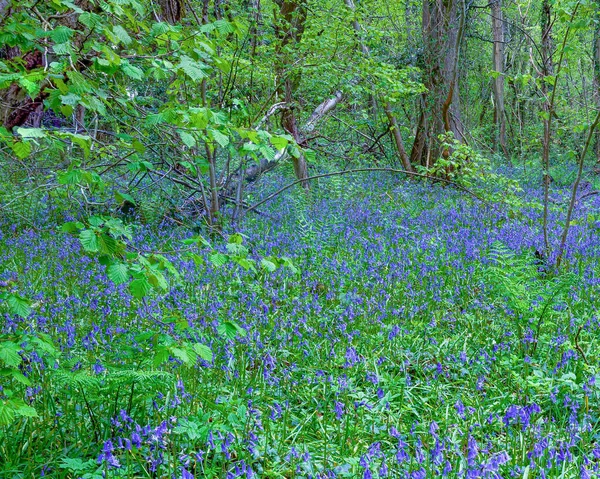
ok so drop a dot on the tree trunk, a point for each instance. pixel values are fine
(547, 49)
(289, 28)
(498, 82)
(393, 123)
(443, 32)
(597, 83)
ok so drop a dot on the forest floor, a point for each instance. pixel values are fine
(420, 337)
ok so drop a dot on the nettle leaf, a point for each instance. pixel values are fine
(140, 288)
(89, 241)
(118, 273)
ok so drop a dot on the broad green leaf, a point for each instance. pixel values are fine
(203, 351)
(7, 414)
(89, 241)
(21, 149)
(31, 132)
(118, 273)
(122, 34)
(18, 305)
(9, 353)
(132, 71)
(140, 288)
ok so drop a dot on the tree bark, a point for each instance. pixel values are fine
(393, 122)
(596, 94)
(289, 28)
(498, 81)
(443, 32)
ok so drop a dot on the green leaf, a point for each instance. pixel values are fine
(132, 71)
(61, 34)
(18, 305)
(7, 414)
(21, 149)
(268, 265)
(9, 353)
(31, 132)
(140, 288)
(184, 356)
(122, 34)
(220, 138)
(89, 241)
(193, 69)
(24, 410)
(118, 273)
(71, 177)
(230, 330)
(107, 244)
(203, 351)
(218, 259)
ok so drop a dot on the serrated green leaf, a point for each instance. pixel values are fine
(230, 330)
(9, 353)
(140, 288)
(218, 259)
(7, 414)
(89, 241)
(31, 132)
(118, 273)
(193, 69)
(18, 305)
(203, 351)
(122, 34)
(132, 71)
(21, 149)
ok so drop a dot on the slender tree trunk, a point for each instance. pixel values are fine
(547, 49)
(498, 82)
(393, 122)
(597, 82)
(443, 32)
(289, 27)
